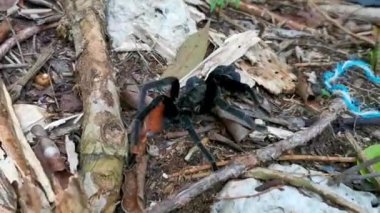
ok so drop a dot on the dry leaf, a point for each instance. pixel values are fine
(71, 103)
(130, 96)
(6, 4)
(72, 156)
(302, 88)
(232, 49)
(72, 199)
(4, 30)
(133, 186)
(190, 54)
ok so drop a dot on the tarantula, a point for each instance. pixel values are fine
(197, 97)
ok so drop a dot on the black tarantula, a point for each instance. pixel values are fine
(197, 97)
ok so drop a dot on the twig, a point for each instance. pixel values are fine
(15, 88)
(328, 194)
(49, 19)
(250, 196)
(247, 161)
(195, 169)
(10, 66)
(314, 64)
(21, 36)
(317, 158)
(17, 42)
(174, 135)
(269, 16)
(46, 4)
(334, 22)
(225, 141)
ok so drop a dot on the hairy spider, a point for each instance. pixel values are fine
(198, 97)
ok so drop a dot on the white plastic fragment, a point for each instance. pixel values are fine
(288, 199)
(150, 24)
(30, 115)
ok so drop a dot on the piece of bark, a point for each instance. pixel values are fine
(104, 142)
(17, 148)
(8, 196)
(247, 161)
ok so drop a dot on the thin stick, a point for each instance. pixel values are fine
(195, 169)
(315, 64)
(17, 42)
(328, 194)
(332, 159)
(334, 22)
(22, 36)
(11, 66)
(248, 161)
(269, 16)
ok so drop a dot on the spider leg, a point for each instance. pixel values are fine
(140, 117)
(233, 113)
(194, 136)
(174, 91)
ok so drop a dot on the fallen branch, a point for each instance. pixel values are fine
(248, 161)
(328, 194)
(104, 141)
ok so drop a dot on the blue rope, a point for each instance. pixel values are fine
(339, 89)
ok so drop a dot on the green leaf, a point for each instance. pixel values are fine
(222, 4)
(372, 152)
(325, 93)
(190, 54)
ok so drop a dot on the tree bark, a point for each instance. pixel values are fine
(104, 141)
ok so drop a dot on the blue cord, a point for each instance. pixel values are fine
(339, 89)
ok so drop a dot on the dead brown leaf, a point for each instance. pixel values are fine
(303, 87)
(28, 197)
(133, 186)
(4, 30)
(130, 96)
(72, 199)
(71, 103)
(6, 4)
(190, 54)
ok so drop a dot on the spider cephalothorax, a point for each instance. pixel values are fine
(197, 97)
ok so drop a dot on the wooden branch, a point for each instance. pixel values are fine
(103, 146)
(248, 161)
